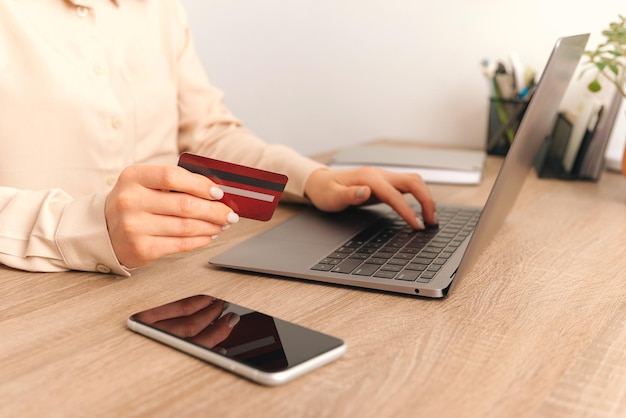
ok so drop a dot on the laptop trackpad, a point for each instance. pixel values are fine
(314, 226)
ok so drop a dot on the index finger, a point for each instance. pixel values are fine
(419, 189)
(194, 324)
(218, 331)
(391, 186)
(183, 307)
(174, 178)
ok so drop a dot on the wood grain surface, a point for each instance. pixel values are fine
(538, 329)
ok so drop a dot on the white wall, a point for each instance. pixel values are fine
(318, 74)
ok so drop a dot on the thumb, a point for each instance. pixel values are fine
(358, 194)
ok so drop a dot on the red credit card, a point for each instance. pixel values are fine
(249, 192)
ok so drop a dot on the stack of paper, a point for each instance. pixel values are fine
(435, 165)
(584, 123)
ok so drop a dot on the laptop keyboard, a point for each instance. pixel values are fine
(390, 249)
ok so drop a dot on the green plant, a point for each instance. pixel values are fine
(609, 61)
(609, 58)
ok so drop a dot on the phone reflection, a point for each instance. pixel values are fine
(231, 330)
(256, 341)
(201, 319)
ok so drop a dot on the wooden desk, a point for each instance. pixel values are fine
(539, 329)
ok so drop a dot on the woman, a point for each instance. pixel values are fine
(97, 100)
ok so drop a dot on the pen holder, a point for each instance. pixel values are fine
(505, 116)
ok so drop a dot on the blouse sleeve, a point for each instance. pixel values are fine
(50, 231)
(208, 128)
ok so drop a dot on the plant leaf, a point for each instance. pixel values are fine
(594, 86)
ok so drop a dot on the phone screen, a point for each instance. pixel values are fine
(262, 342)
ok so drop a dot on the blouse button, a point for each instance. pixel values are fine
(101, 268)
(82, 11)
(98, 69)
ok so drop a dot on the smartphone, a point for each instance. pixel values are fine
(254, 345)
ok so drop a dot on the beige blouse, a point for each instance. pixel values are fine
(88, 87)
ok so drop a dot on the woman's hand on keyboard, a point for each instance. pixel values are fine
(335, 190)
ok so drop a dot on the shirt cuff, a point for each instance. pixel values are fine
(83, 238)
(297, 167)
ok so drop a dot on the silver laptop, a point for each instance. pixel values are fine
(372, 248)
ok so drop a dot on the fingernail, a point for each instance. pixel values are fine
(232, 218)
(214, 236)
(225, 305)
(436, 218)
(420, 223)
(216, 193)
(233, 320)
(225, 227)
(361, 192)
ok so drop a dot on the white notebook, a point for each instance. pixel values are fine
(435, 165)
